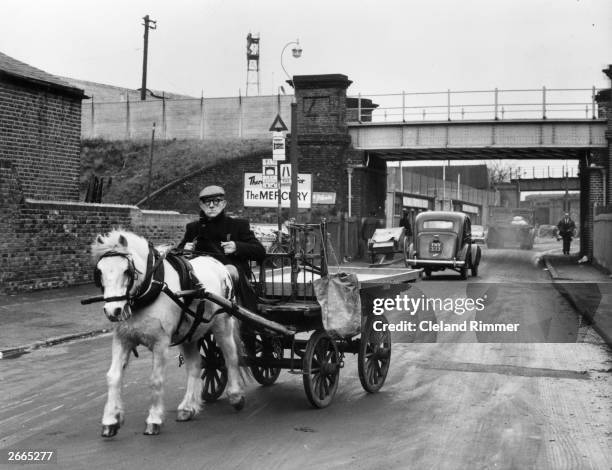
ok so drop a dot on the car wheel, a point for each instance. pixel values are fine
(463, 272)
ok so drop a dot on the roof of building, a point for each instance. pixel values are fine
(23, 72)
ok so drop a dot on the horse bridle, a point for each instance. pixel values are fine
(132, 274)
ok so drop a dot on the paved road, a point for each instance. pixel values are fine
(455, 403)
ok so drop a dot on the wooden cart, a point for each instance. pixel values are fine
(287, 330)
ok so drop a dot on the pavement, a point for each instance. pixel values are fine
(587, 288)
(44, 318)
(39, 319)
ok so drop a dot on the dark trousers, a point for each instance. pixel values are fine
(567, 241)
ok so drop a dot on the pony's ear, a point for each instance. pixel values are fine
(122, 241)
(99, 240)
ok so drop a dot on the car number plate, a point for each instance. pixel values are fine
(435, 247)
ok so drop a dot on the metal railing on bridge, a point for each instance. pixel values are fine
(496, 104)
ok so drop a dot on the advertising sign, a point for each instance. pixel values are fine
(323, 198)
(278, 147)
(257, 195)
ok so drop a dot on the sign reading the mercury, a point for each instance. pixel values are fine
(257, 195)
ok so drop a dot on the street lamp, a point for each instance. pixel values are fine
(296, 51)
(293, 150)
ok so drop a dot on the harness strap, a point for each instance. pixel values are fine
(152, 284)
(198, 315)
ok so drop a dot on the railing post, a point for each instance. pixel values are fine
(448, 104)
(127, 117)
(359, 108)
(593, 102)
(423, 114)
(403, 106)
(93, 115)
(543, 102)
(202, 116)
(496, 103)
(164, 125)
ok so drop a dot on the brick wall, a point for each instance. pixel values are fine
(40, 133)
(602, 243)
(46, 243)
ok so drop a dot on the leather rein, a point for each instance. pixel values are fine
(152, 286)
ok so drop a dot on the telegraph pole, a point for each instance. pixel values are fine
(148, 24)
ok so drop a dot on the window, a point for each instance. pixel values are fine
(438, 224)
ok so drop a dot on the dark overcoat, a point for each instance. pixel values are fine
(209, 233)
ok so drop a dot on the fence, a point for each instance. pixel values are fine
(204, 118)
(540, 103)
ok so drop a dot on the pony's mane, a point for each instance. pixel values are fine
(110, 242)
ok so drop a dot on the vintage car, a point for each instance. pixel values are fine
(443, 240)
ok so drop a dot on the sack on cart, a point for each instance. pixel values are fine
(338, 295)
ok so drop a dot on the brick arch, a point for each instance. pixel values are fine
(181, 194)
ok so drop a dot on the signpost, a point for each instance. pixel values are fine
(278, 154)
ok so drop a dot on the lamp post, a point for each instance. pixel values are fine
(296, 52)
(293, 157)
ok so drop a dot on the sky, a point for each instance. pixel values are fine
(383, 46)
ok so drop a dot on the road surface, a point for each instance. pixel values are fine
(455, 403)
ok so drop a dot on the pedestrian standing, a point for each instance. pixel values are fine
(567, 228)
(405, 222)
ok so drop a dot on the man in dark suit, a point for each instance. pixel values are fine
(228, 239)
(566, 227)
(405, 222)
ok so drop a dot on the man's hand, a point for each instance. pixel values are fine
(228, 247)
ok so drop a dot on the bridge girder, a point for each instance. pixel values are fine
(480, 140)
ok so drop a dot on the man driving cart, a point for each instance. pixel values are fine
(228, 239)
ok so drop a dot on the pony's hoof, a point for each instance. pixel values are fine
(110, 430)
(184, 415)
(239, 404)
(152, 429)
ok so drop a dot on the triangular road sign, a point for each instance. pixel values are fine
(278, 125)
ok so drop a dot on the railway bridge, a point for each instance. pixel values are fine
(347, 141)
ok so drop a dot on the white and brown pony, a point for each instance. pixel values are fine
(124, 270)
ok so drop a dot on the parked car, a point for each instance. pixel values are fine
(478, 234)
(443, 240)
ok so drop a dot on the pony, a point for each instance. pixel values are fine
(128, 271)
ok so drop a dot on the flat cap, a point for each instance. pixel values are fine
(211, 191)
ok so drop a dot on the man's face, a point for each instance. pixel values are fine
(212, 206)
(567, 215)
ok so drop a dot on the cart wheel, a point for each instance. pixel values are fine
(321, 369)
(214, 372)
(266, 348)
(374, 355)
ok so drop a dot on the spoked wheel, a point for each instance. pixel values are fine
(214, 371)
(265, 348)
(321, 369)
(374, 354)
